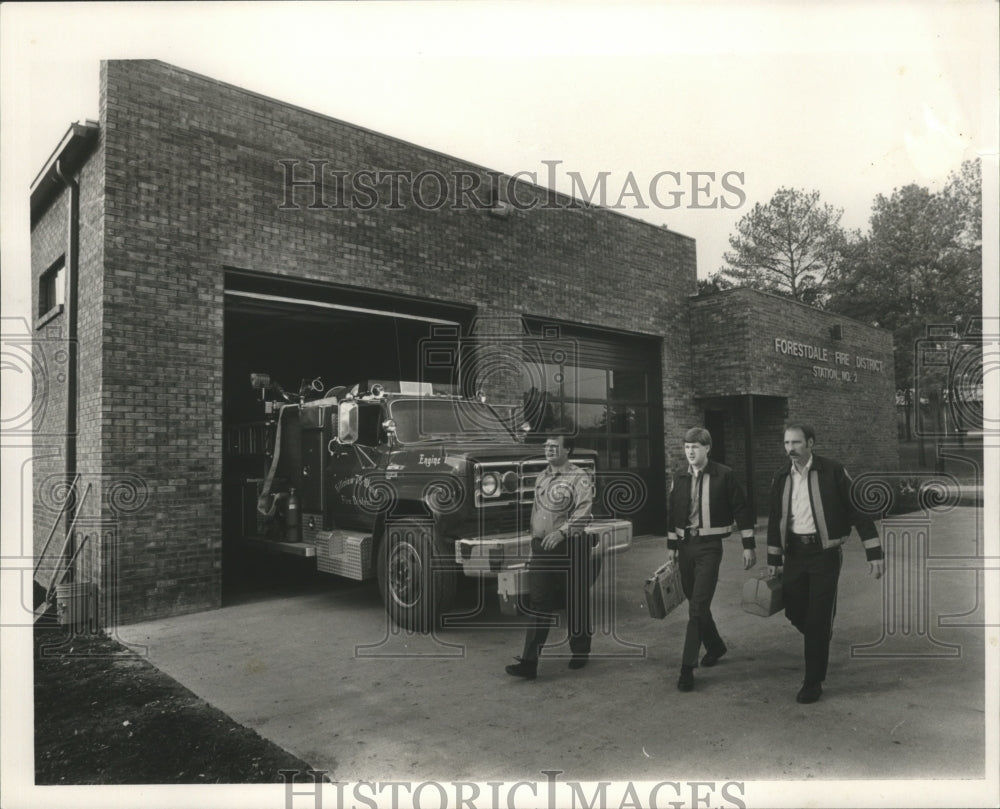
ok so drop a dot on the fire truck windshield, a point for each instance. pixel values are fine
(441, 419)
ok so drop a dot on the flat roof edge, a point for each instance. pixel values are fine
(705, 296)
(70, 152)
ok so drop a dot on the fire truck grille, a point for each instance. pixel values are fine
(523, 493)
(486, 522)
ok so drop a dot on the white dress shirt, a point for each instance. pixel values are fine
(802, 516)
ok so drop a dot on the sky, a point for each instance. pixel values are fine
(848, 98)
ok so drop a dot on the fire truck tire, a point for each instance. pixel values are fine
(416, 577)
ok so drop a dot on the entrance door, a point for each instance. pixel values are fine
(715, 423)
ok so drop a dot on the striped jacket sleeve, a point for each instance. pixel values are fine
(742, 513)
(862, 522)
(775, 551)
(671, 530)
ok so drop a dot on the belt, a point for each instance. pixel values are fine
(805, 539)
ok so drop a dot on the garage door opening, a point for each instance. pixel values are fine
(303, 334)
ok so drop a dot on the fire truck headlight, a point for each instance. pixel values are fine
(509, 481)
(490, 485)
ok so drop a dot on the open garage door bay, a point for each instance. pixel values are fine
(605, 387)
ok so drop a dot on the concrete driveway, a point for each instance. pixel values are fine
(321, 674)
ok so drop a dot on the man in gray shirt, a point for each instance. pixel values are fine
(561, 559)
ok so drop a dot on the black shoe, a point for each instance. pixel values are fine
(523, 668)
(578, 661)
(710, 659)
(686, 681)
(810, 692)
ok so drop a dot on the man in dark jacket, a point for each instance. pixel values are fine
(705, 501)
(811, 515)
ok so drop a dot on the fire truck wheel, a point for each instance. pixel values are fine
(415, 575)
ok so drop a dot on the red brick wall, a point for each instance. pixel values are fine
(720, 345)
(49, 242)
(48, 345)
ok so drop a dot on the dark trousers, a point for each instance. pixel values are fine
(559, 579)
(699, 560)
(809, 582)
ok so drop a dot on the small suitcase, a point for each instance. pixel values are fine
(663, 590)
(670, 587)
(762, 595)
(654, 597)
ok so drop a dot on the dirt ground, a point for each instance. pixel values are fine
(105, 716)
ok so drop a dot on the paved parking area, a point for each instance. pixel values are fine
(321, 674)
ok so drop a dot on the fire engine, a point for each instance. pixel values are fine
(406, 484)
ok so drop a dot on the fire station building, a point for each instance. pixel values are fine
(197, 233)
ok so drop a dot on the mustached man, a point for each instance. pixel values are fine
(811, 514)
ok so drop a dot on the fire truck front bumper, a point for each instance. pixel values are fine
(488, 556)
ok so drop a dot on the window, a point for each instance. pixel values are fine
(437, 419)
(606, 407)
(52, 288)
(370, 419)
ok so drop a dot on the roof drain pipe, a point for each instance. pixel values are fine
(72, 289)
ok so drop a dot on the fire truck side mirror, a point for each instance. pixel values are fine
(347, 422)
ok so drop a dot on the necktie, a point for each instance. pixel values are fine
(695, 508)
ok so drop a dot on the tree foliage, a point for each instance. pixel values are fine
(787, 246)
(920, 264)
(714, 283)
